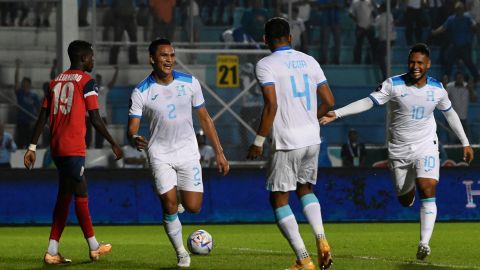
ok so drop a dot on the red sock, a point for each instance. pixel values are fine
(83, 216)
(60, 215)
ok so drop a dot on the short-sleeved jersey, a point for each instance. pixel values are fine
(168, 108)
(296, 77)
(412, 128)
(70, 96)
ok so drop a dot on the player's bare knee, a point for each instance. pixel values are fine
(194, 209)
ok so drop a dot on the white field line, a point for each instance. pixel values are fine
(369, 258)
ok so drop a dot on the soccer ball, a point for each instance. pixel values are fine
(200, 242)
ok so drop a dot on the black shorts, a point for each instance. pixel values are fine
(72, 167)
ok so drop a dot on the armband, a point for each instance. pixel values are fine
(259, 140)
(32, 147)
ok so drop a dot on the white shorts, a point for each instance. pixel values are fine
(185, 176)
(289, 167)
(406, 171)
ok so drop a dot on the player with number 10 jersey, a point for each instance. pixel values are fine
(71, 94)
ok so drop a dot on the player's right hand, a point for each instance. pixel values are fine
(117, 151)
(468, 154)
(141, 143)
(29, 159)
(327, 118)
(254, 152)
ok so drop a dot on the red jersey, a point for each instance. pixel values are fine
(71, 94)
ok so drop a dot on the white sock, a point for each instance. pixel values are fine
(289, 227)
(93, 243)
(428, 214)
(52, 247)
(313, 213)
(173, 228)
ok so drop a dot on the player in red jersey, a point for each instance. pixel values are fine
(70, 95)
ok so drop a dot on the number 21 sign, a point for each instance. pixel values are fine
(227, 71)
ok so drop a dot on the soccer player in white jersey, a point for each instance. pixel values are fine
(290, 82)
(412, 138)
(165, 98)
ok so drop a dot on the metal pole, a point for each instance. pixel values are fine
(388, 59)
(94, 30)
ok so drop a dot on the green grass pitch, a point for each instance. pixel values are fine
(355, 246)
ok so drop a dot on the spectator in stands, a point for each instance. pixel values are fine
(8, 13)
(207, 153)
(42, 13)
(361, 11)
(28, 104)
(192, 27)
(133, 158)
(7, 146)
(435, 10)
(219, 6)
(330, 24)
(382, 40)
(415, 20)
(124, 19)
(298, 31)
(254, 19)
(353, 153)
(163, 19)
(82, 13)
(461, 94)
(102, 109)
(144, 20)
(460, 28)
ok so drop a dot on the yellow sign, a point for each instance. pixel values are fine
(227, 71)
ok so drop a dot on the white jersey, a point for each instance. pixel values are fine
(296, 77)
(412, 128)
(168, 109)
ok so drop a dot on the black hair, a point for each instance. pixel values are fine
(77, 49)
(419, 48)
(275, 29)
(154, 45)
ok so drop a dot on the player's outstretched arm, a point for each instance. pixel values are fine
(97, 122)
(30, 156)
(268, 115)
(358, 106)
(209, 128)
(133, 126)
(328, 117)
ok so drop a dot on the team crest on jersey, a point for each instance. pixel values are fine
(181, 90)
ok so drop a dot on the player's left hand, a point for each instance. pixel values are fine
(29, 159)
(117, 151)
(254, 152)
(222, 164)
(467, 154)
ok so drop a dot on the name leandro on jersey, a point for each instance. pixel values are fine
(69, 77)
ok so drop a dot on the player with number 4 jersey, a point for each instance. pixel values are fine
(290, 82)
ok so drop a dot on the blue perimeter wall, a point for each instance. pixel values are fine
(127, 197)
